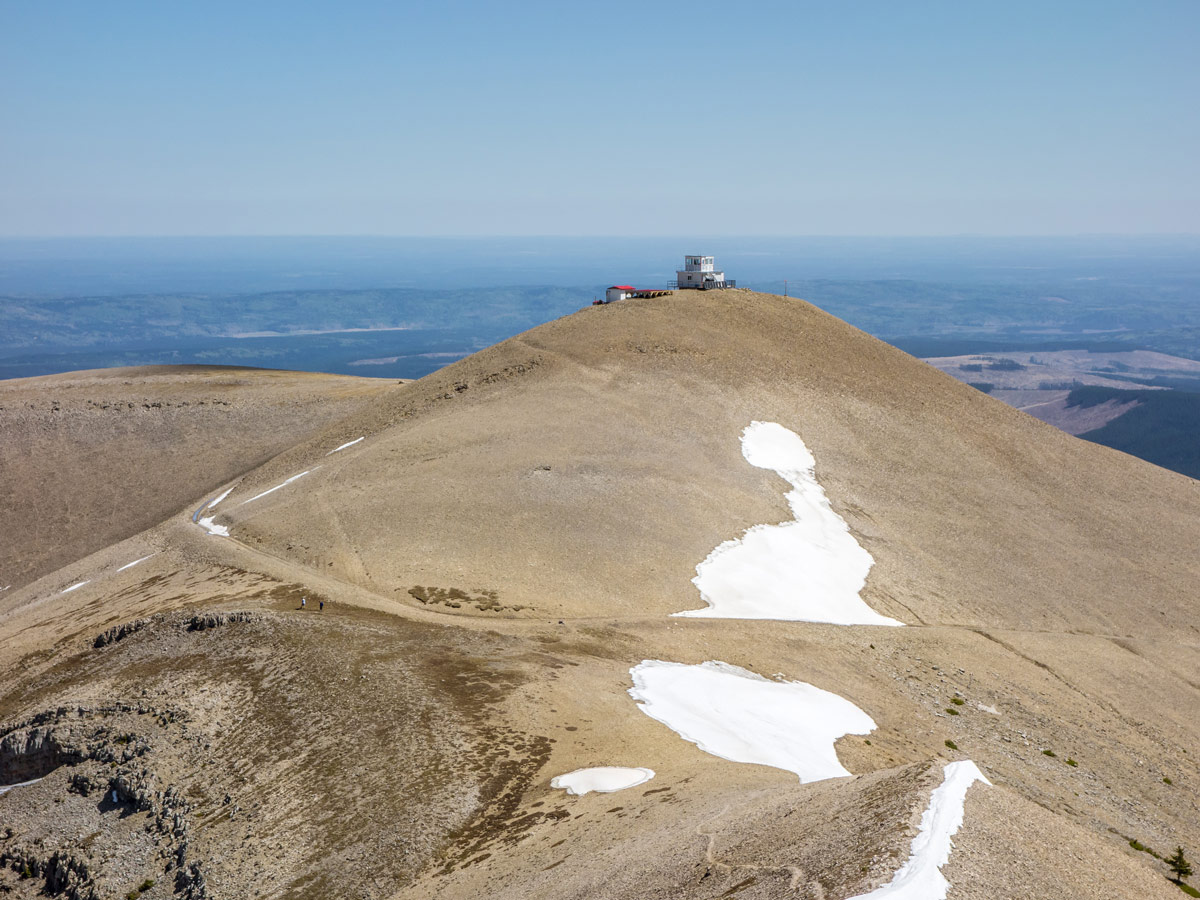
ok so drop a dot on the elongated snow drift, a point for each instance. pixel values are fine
(921, 877)
(5, 788)
(808, 570)
(277, 487)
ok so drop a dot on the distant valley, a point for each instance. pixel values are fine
(1137, 401)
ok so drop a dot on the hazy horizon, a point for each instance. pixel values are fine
(83, 266)
(376, 118)
(333, 301)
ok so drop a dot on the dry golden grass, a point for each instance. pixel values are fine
(511, 537)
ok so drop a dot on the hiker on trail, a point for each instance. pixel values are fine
(303, 602)
(322, 606)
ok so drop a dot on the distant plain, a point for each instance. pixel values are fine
(405, 307)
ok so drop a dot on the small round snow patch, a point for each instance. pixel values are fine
(212, 528)
(604, 779)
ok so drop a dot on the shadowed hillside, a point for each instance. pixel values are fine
(1163, 427)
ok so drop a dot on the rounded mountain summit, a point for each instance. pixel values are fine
(308, 636)
(585, 467)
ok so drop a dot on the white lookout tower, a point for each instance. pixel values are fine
(699, 272)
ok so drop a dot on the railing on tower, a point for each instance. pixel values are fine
(702, 285)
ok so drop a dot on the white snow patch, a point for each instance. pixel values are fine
(344, 446)
(134, 563)
(210, 504)
(220, 498)
(741, 716)
(74, 587)
(5, 788)
(921, 878)
(277, 487)
(808, 570)
(213, 528)
(207, 523)
(604, 779)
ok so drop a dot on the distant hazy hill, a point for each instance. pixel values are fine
(1083, 391)
(81, 323)
(70, 304)
(401, 333)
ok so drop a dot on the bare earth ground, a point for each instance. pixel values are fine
(509, 539)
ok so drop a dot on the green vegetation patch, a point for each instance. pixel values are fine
(1142, 848)
(1004, 364)
(454, 598)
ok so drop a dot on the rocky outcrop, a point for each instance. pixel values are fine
(64, 873)
(119, 632)
(204, 621)
(77, 736)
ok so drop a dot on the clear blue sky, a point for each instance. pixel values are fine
(616, 118)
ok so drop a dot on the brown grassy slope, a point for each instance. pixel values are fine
(314, 755)
(584, 469)
(651, 841)
(974, 513)
(329, 795)
(90, 458)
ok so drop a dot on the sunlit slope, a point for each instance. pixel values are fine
(313, 724)
(584, 468)
(90, 458)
